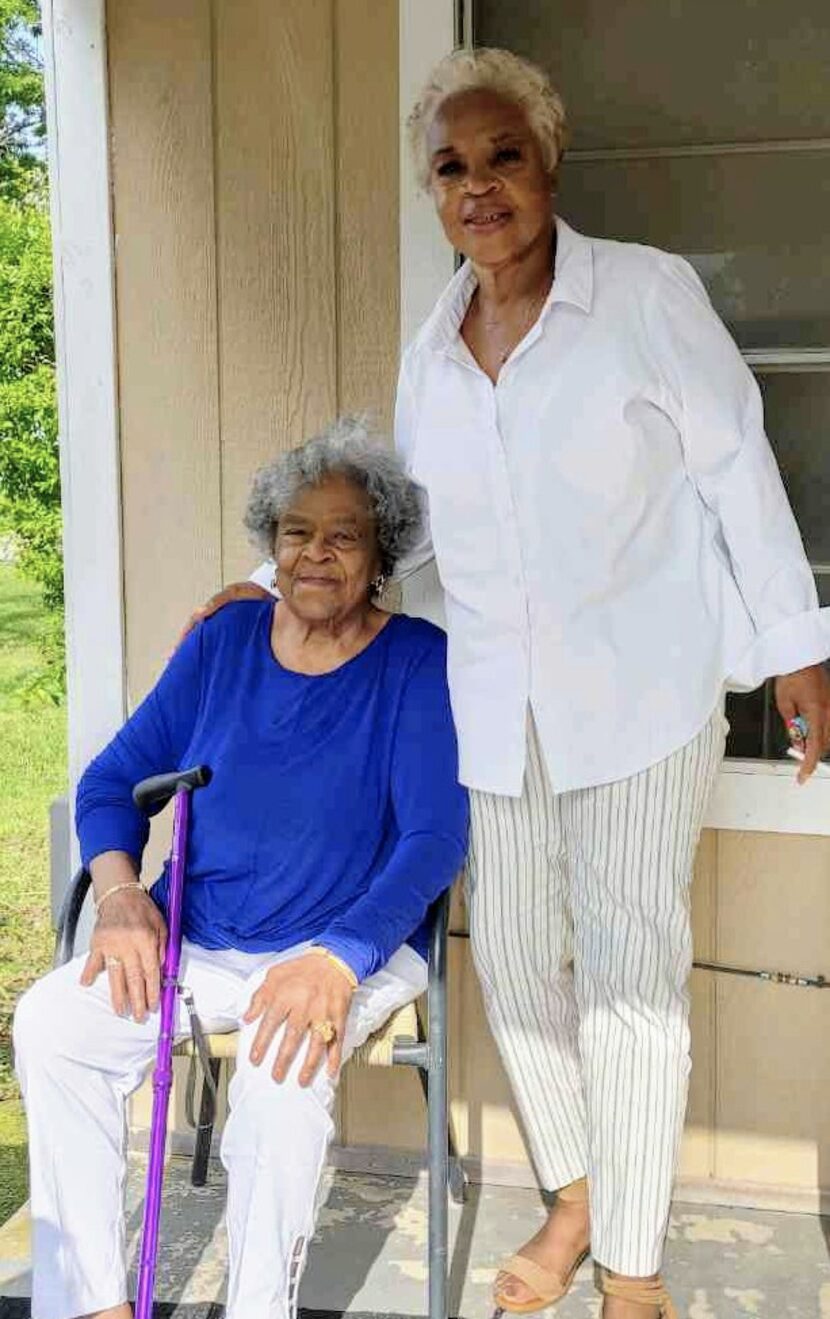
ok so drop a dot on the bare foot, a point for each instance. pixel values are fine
(556, 1247)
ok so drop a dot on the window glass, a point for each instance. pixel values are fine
(797, 412)
(675, 72)
(755, 228)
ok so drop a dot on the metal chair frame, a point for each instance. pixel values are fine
(428, 1053)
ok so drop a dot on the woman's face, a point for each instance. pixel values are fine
(326, 551)
(487, 178)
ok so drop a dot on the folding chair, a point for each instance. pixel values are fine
(402, 1041)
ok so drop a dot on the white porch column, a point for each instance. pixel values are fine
(78, 136)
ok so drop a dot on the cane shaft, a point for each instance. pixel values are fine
(163, 1073)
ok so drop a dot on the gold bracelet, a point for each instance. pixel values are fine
(342, 966)
(119, 888)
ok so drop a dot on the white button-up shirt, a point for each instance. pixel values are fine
(609, 524)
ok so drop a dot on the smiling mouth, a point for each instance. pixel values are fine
(487, 219)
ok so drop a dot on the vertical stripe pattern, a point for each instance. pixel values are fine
(580, 927)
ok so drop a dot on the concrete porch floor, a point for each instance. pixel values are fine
(369, 1252)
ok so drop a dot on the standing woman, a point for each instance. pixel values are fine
(615, 544)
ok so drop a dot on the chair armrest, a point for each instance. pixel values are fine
(439, 922)
(69, 916)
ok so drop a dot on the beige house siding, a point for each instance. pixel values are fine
(255, 167)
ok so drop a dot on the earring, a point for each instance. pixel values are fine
(378, 586)
(273, 583)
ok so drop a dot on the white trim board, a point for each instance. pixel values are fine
(78, 136)
(763, 796)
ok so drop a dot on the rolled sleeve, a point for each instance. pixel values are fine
(794, 643)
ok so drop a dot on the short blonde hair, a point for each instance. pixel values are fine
(495, 70)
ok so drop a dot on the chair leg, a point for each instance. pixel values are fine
(437, 1142)
(204, 1131)
(456, 1176)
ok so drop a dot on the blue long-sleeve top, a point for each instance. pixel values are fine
(334, 813)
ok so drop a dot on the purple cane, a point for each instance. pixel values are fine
(150, 796)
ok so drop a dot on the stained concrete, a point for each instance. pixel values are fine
(369, 1253)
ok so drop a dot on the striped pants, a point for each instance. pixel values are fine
(579, 920)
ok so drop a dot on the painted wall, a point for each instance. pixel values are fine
(255, 168)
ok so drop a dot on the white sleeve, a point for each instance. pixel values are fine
(716, 404)
(422, 553)
(264, 576)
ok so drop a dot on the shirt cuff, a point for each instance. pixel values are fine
(792, 644)
(351, 951)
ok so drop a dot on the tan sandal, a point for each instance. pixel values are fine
(548, 1286)
(639, 1291)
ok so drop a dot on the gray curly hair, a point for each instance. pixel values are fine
(501, 71)
(349, 448)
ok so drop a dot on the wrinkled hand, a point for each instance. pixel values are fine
(236, 591)
(807, 693)
(131, 929)
(305, 990)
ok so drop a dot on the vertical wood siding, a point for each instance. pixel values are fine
(166, 291)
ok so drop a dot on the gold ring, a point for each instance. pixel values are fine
(113, 962)
(325, 1029)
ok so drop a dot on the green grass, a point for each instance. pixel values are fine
(32, 774)
(13, 1171)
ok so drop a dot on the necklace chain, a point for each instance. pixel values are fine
(533, 309)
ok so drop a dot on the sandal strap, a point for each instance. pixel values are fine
(575, 1192)
(547, 1285)
(645, 1291)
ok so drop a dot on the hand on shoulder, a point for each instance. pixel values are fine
(228, 595)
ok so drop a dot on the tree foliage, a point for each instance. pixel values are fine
(22, 119)
(29, 466)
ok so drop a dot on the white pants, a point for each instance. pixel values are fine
(77, 1063)
(579, 920)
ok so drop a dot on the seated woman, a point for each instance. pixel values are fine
(333, 820)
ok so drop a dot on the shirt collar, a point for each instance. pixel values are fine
(573, 283)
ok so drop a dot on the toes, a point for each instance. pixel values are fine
(511, 1288)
